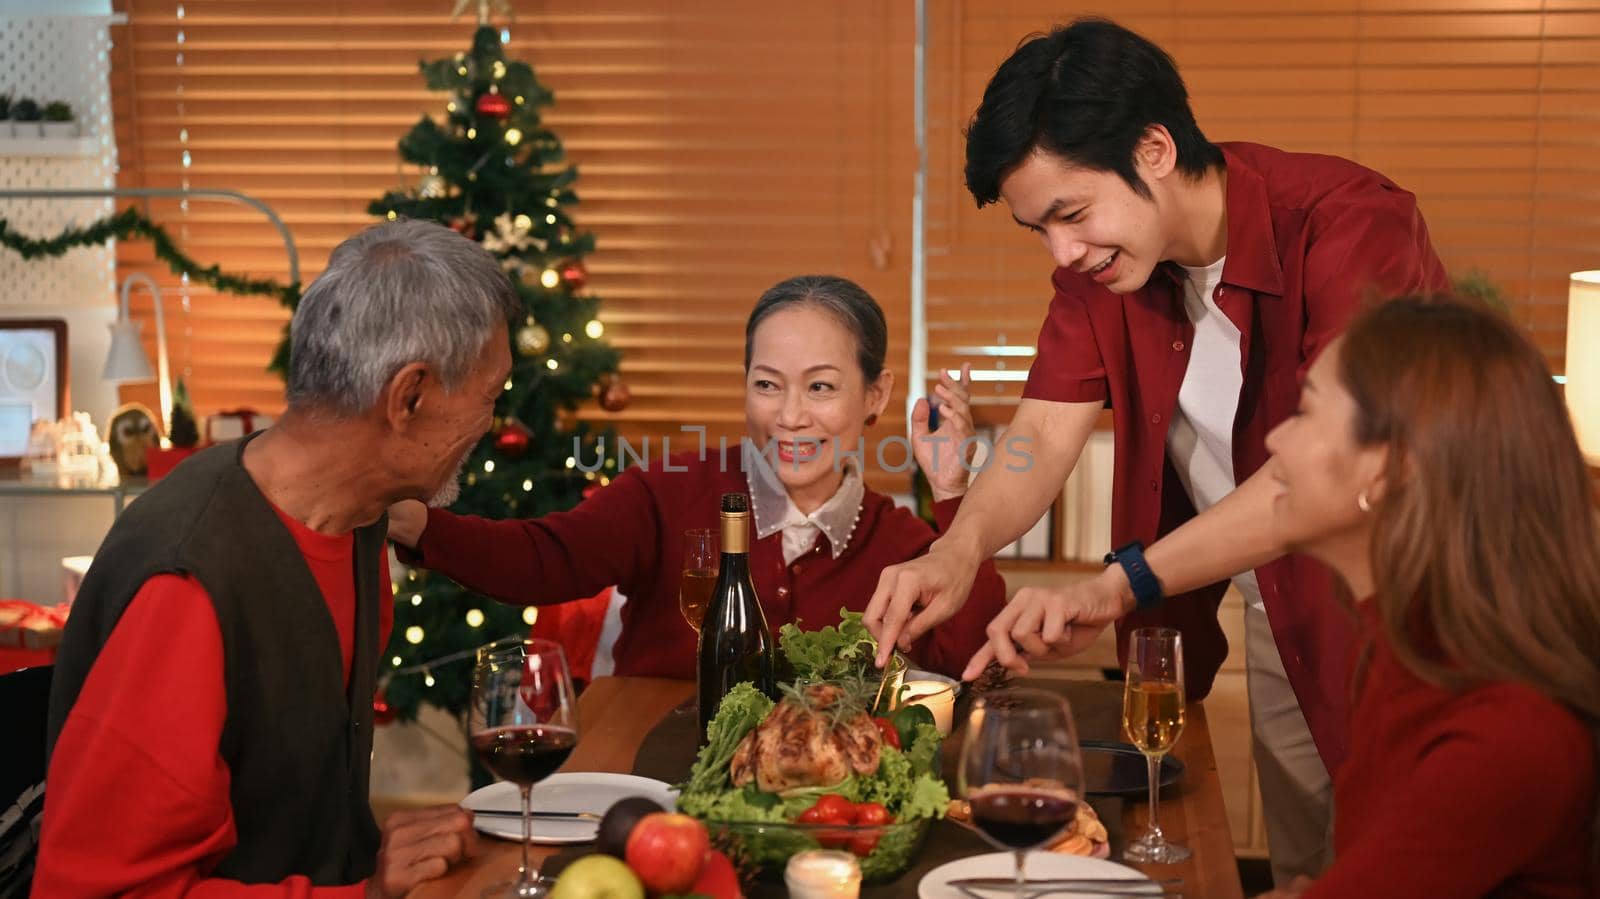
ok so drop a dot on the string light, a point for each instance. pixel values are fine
(550, 219)
(488, 466)
(427, 678)
(394, 587)
(520, 100)
(549, 278)
(571, 462)
(522, 222)
(594, 329)
(530, 615)
(416, 599)
(392, 215)
(499, 69)
(527, 486)
(508, 384)
(552, 364)
(414, 635)
(513, 136)
(474, 618)
(450, 107)
(411, 574)
(472, 134)
(396, 660)
(567, 337)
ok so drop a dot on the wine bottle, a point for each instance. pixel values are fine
(735, 644)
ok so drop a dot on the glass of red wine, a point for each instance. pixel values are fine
(1021, 771)
(524, 724)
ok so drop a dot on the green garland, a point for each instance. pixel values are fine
(131, 223)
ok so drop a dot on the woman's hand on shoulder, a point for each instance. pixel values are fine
(407, 519)
(940, 451)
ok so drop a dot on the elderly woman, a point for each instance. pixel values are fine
(1432, 465)
(814, 380)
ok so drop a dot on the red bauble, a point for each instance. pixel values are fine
(512, 439)
(495, 106)
(382, 713)
(574, 275)
(465, 225)
(614, 394)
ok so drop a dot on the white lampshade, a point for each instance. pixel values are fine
(126, 361)
(1583, 361)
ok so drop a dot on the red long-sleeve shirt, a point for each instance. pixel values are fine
(630, 534)
(137, 797)
(1487, 793)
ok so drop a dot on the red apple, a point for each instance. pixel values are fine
(718, 879)
(667, 851)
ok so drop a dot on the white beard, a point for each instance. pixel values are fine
(451, 491)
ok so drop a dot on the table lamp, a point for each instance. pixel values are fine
(1583, 361)
(126, 361)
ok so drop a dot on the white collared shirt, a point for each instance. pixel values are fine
(773, 510)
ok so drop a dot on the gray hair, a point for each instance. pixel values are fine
(397, 293)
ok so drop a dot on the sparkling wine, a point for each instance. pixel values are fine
(694, 595)
(1152, 714)
(1022, 817)
(735, 644)
(524, 755)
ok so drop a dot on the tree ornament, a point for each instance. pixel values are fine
(465, 225)
(432, 186)
(614, 395)
(532, 339)
(513, 438)
(574, 275)
(495, 106)
(382, 712)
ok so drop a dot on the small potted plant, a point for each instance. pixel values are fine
(25, 117)
(184, 435)
(58, 121)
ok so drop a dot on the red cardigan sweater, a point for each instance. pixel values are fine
(630, 534)
(1486, 793)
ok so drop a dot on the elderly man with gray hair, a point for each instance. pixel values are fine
(211, 713)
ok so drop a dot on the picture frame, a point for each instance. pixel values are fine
(33, 380)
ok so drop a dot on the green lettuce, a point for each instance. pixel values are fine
(832, 653)
(741, 710)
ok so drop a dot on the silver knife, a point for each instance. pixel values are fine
(1115, 886)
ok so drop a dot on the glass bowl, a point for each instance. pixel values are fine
(884, 851)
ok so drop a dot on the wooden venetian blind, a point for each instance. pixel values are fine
(1486, 109)
(721, 147)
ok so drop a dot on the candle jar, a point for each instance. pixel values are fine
(823, 874)
(938, 696)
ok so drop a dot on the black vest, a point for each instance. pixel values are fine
(297, 744)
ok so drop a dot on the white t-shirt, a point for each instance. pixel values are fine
(1200, 440)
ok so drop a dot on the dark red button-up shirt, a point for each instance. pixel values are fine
(1309, 239)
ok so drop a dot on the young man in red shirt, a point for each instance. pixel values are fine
(1194, 284)
(211, 712)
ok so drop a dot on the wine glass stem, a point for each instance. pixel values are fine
(1022, 881)
(1154, 760)
(525, 875)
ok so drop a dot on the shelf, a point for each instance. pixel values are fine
(49, 146)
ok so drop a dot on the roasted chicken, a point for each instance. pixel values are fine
(803, 743)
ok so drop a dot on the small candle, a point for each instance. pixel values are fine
(823, 874)
(939, 698)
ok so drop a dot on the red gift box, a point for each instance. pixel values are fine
(160, 462)
(26, 625)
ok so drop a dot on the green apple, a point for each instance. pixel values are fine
(597, 877)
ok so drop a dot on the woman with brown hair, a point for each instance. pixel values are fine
(1433, 466)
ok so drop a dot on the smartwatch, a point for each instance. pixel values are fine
(1146, 588)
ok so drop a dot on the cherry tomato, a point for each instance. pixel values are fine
(836, 809)
(872, 813)
(811, 816)
(862, 844)
(890, 735)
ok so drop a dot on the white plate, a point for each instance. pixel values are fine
(935, 884)
(574, 792)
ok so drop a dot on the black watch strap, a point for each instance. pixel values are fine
(1146, 587)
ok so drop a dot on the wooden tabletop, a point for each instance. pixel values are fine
(615, 714)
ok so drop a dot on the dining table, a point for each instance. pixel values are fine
(617, 714)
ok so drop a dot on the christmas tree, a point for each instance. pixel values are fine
(491, 170)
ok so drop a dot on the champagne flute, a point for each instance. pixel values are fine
(1021, 770)
(524, 724)
(700, 559)
(1152, 718)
